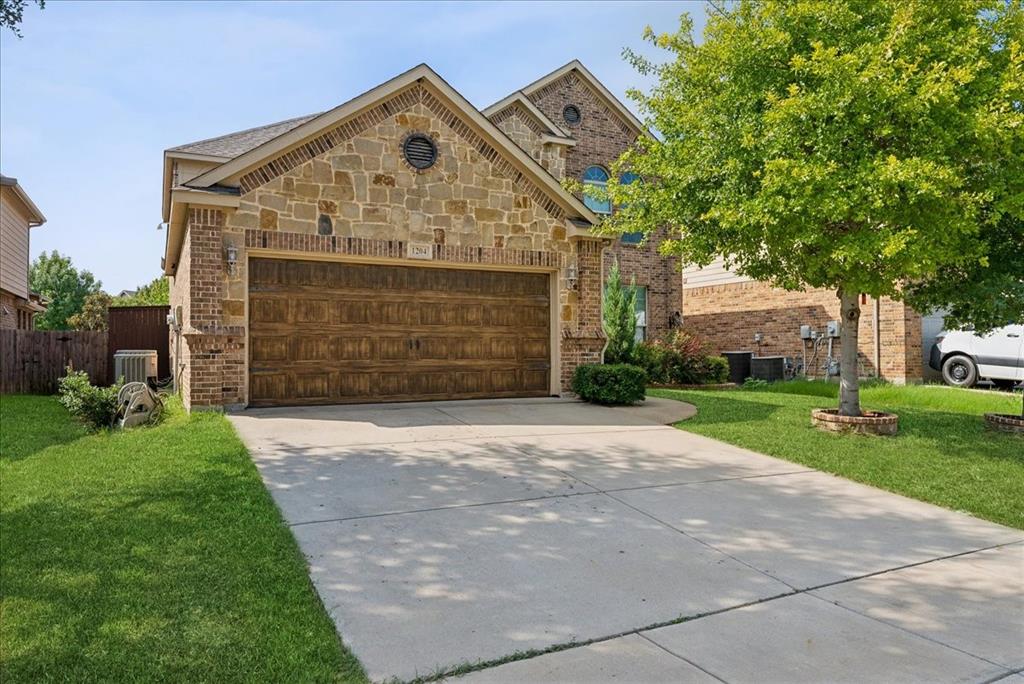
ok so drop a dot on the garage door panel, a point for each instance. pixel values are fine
(536, 349)
(504, 348)
(535, 379)
(352, 348)
(269, 387)
(506, 380)
(269, 348)
(328, 332)
(394, 348)
(351, 313)
(311, 311)
(268, 310)
(308, 348)
(312, 386)
(353, 386)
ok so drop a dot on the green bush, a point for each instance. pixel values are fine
(92, 405)
(614, 384)
(717, 370)
(680, 359)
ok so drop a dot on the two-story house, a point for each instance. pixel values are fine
(18, 215)
(402, 246)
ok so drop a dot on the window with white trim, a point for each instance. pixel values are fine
(640, 310)
(597, 177)
(637, 237)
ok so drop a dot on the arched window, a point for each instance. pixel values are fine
(598, 177)
(637, 237)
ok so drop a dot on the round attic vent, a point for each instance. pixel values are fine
(571, 114)
(420, 151)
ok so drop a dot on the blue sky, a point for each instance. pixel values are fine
(94, 92)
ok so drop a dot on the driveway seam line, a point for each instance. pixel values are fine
(683, 658)
(441, 508)
(700, 541)
(554, 648)
(909, 631)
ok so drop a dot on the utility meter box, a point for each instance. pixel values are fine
(805, 332)
(832, 329)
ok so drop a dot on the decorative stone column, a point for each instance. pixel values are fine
(583, 339)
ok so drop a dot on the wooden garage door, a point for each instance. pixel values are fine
(328, 333)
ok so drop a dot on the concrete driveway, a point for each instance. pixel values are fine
(462, 532)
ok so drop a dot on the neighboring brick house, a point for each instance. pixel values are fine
(18, 215)
(403, 245)
(729, 310)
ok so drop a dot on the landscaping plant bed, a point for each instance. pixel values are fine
(1005, 422)
(868, 423)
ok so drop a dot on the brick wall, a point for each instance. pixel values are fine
(660, 275)
(584, 342)
(728, 316)
(209, 355)
(602, 136)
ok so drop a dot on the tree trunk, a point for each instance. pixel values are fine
(849, 383)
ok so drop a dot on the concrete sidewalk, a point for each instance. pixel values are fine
(465, 532)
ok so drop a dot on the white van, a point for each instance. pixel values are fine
(964, 358)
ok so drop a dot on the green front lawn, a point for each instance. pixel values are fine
(152, 554)
(943, 453)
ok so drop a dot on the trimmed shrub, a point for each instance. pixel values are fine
(716, 370)
(614, 384)
(94, 406)
(680, 359)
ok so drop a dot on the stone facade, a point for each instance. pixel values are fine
(361, 199)
(520, 126)
(728, 316)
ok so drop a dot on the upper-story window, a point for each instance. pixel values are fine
(598, 177)
(637, 237)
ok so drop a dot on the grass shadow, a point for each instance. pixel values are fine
(31, 423)
(156, 554)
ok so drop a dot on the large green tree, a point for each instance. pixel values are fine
(64, 287)
(865, 146)
(157, 291)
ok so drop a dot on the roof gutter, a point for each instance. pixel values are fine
(181, 200)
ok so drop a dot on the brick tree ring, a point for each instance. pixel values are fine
(1005, 422)
(868, 423)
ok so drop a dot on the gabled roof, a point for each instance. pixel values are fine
(219, 186)
(425, 75)
(603, 93)
(233, 144)
(36, 217)
(519, 98)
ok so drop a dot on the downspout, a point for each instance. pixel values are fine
(878, 338)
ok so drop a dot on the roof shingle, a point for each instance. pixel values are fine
(233, 144)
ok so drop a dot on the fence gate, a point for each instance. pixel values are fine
(32, 361)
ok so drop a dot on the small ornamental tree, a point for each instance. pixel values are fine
(93, 315)
(865, 146)
(619, 317)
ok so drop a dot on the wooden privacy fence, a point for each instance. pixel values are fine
(32, 361)
(139, 327)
